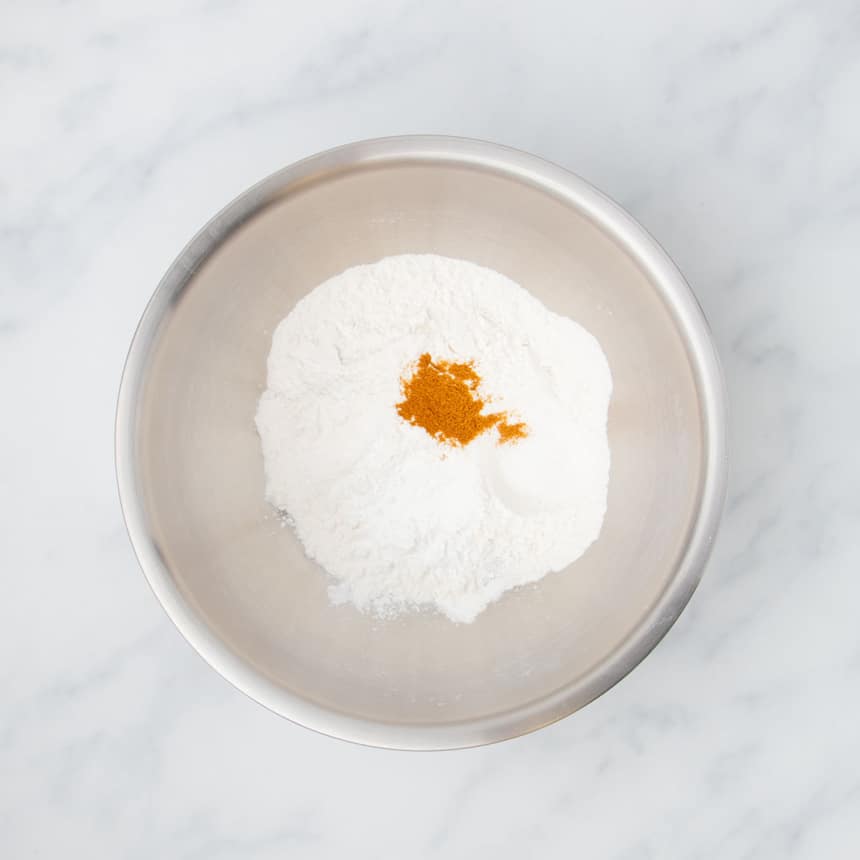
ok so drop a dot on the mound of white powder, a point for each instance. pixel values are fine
(399, 519)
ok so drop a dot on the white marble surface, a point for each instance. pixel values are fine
(733, 134)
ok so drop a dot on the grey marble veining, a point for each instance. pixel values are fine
(731, 131)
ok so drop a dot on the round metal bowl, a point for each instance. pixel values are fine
(237, 584)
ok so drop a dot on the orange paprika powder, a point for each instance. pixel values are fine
(442, 397)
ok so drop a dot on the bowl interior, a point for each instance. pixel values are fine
(244, 576)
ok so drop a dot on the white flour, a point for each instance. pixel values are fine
(398, 519)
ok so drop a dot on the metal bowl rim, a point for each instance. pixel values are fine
(692, 327)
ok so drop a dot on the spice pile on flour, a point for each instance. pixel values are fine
(435, 435)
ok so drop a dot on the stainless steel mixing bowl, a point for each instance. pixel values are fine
(238, 585)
